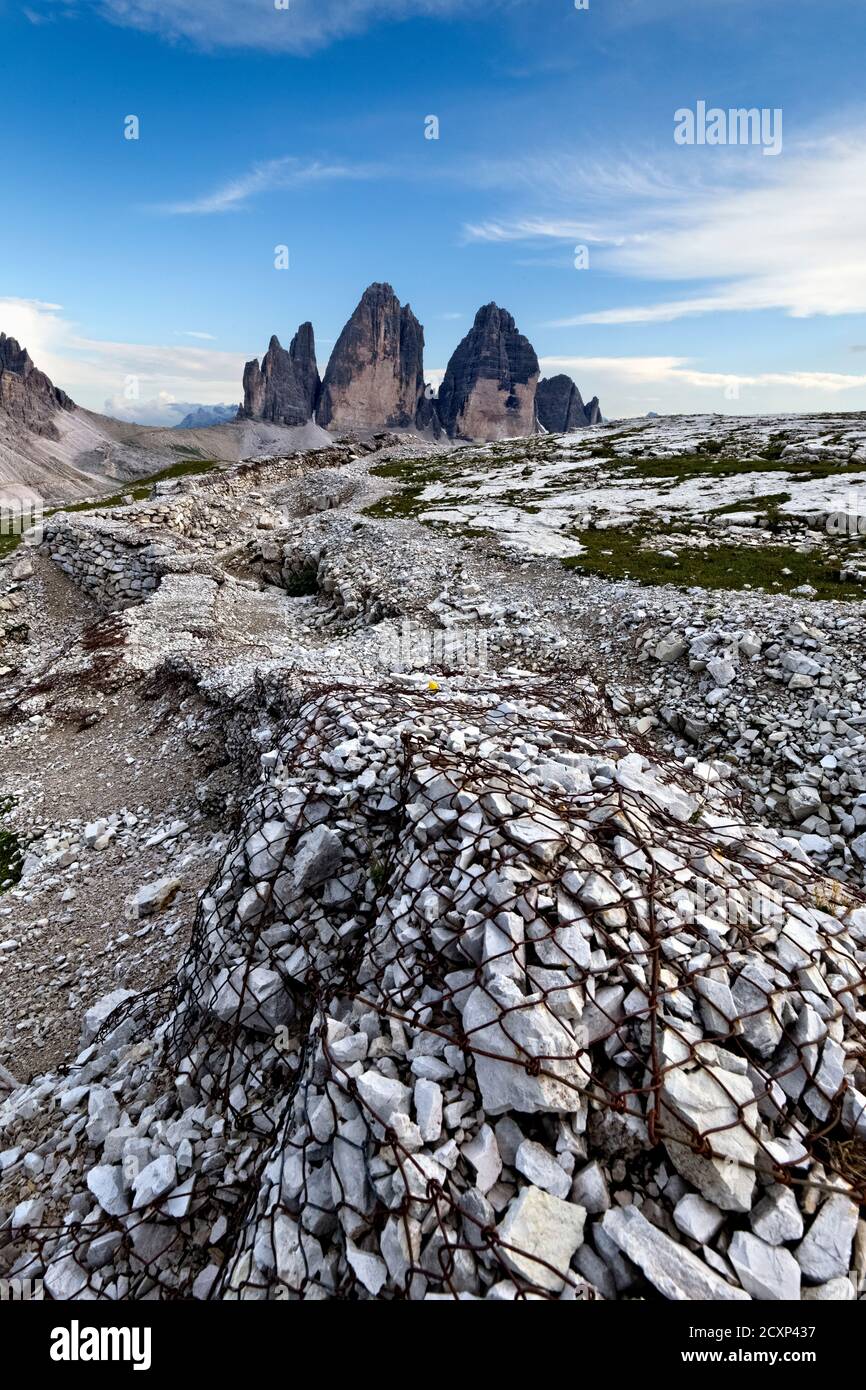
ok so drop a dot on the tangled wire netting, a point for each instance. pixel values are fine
(459, 947)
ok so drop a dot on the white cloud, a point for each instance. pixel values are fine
(161, 409)
(633, 385)
(299, 27)
(141, 380)
(264, 177)
(191, 333)
(785, 234)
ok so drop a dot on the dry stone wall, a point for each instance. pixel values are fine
(114, 565)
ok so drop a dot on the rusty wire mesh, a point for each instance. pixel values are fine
(617, 966)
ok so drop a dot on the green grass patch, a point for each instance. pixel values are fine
(703, 465)
(186, 469)
(414, 476)
(8, 543)
(619, 555)
(140, 489)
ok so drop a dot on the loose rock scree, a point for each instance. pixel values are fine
(481, 1002)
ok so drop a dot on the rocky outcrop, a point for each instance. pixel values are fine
(302, 355)
(27, 395)
(488, 391)
(285, 388)
(375, 378)
(560, 406)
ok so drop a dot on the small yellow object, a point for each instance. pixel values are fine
(433, 685)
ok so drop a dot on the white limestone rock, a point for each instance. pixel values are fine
(825, 1251)
(705, 1102)
(669, 1267)
(536, 1036)
(777, 1219)
(768, 1272)
(698, 1218)
(543, 1232)
(541, 1168)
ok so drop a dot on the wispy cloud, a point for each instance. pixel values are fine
(299, 27)
(785, 235)
(191, 333)
(265, 177)
(540, 228)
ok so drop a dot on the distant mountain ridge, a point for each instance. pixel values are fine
(55, 448)
(205, 415)
(27, 396)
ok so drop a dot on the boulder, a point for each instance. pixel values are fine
(539, 1236)
(674, 1271)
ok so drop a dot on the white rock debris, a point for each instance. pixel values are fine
(438, 1053)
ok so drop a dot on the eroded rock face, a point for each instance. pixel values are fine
(285, 388)
(375, 378)
(488, 391)
(302, 352)
(27, 395)
(560, 406)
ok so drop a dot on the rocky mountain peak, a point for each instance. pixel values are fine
(560, 406)
(488, 391)
(27, 395)
(302, 354)
(285, 388)
(375, 378)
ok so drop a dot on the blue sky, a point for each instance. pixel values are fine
(720, 278)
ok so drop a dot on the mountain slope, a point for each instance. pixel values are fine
(66, 453)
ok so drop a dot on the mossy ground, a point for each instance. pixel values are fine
(621, 554)
(682, 467)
